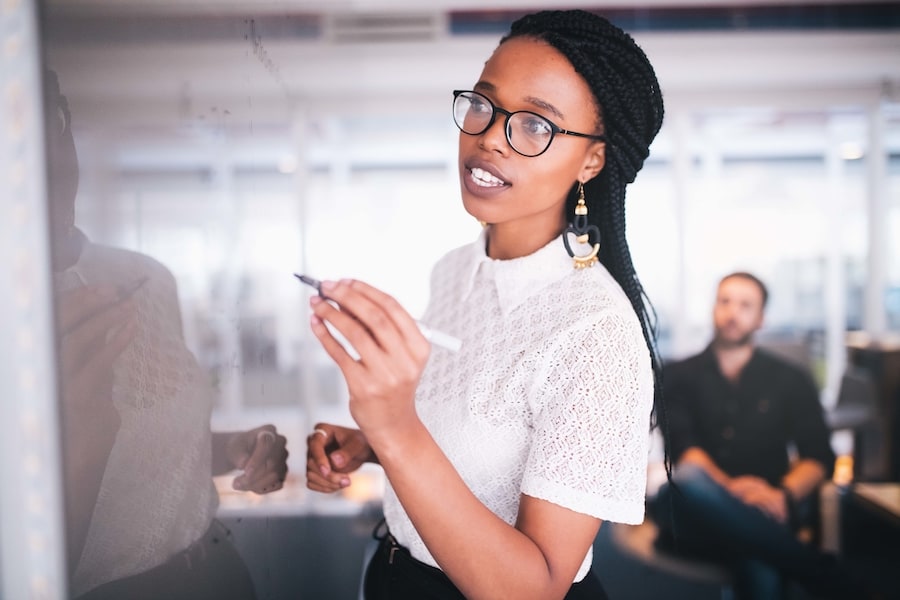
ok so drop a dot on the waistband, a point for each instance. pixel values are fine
(199, 551)
(397, 560)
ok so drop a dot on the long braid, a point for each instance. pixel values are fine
(630, 109)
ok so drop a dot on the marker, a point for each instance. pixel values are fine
(438, 338)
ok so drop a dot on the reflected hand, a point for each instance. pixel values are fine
(94, 329)
(332, 452)
(262, 454)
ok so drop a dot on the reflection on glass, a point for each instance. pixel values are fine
(138, 452)
(220, 153)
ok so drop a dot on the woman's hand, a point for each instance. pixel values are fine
(392, 354)
(262, 454)
(331, 453)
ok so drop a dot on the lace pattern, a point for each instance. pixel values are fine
(157, 495)
(550, 395)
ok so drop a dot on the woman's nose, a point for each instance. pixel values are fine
(494, 137)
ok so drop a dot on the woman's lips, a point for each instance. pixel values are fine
(481, 178)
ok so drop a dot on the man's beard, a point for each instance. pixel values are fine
(721, 341)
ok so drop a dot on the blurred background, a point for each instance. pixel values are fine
(238, 143)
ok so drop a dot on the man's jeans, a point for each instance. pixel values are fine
(700, 518)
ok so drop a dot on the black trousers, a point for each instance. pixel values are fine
(393, 574)
(210, 569)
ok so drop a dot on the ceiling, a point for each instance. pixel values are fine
(387, 6)
(164, 66)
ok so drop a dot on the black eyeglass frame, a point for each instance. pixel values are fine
(554, 128)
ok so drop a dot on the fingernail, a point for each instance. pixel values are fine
(338, 459)
(315, 321)
(325, 469)
(328, 285)
(345, 482)
(314, 300)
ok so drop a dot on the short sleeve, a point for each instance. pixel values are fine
(810, 433)
(592, 420)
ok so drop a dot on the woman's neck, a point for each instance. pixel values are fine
(506, 241)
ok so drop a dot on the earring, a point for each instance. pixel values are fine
(582, 231)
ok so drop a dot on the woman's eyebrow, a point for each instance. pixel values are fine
(484, 86)
(545, 105)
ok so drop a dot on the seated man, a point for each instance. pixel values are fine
(733, 413)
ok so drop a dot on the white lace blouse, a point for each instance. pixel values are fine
(549, 396)
(157, 494)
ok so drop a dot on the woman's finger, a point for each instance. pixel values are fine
(318, 465)
(322, 312)
(321, 483)
(351, 455)
(403, 322)
(316, 443)
(320, 476)
(364, 324)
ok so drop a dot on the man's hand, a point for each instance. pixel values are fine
(757, 492)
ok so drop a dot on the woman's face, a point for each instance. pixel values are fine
(523, 198)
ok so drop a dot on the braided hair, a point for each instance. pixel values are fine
(630, 108)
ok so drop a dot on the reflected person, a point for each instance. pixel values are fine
(139, 454)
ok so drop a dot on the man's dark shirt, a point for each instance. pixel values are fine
(746, 427)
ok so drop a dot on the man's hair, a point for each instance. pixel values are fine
(750, 277)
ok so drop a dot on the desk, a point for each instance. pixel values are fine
(880, 499)
(870, 520)
(871, 533)
(881, 455)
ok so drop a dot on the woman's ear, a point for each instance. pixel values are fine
(594, 161)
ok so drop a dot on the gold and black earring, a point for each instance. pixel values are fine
(582, 231)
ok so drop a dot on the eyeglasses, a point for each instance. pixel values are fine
(528, 133)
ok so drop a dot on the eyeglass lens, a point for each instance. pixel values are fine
(527, 133)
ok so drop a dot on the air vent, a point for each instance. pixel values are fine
(359, 28)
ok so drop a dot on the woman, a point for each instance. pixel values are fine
(504, 458)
